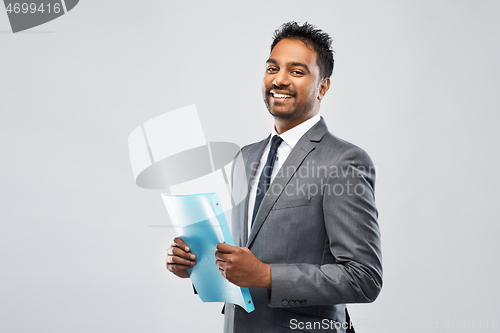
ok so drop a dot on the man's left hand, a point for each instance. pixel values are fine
(239, 266)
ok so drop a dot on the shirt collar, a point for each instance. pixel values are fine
(293, 135)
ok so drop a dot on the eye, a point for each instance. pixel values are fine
(272, 69)
(297, 72)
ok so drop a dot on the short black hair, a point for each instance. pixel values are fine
(309, 34)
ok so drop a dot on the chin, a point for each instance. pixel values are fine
(282, 114)
(285, 113)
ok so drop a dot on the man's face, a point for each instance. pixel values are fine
(292, 84)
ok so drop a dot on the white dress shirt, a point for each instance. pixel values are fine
(290, 139)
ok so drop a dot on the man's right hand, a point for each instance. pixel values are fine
(179, 259)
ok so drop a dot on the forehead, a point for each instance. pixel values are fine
(293, 50)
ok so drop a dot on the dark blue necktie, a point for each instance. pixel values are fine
(265, 176)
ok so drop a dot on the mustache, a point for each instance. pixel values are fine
(281, 89)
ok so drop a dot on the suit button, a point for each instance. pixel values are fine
(297, 303)
(304, 302)
(284, 302)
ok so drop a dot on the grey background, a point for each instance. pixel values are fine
(415, 84)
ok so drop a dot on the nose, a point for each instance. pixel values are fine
(281, 79)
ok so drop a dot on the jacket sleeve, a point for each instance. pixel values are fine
(350, 219)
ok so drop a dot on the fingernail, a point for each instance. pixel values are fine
(193, 263)
(187, 248)
(193, 256)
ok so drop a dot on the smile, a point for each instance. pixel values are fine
(281, 95)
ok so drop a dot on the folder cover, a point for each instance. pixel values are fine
(200, 221)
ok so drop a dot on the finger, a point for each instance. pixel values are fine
(222, 272)
(175, 251)
(222, 256)
(226, 248)
(174, 268)
(180, 243)
(221, 264)
(179, 260)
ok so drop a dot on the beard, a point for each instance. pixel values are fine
(294, 111)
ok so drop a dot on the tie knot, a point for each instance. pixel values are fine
(275, 142)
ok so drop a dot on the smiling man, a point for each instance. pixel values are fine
(307, 237)
(293, 84)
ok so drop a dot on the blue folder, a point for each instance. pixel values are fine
(200, 221)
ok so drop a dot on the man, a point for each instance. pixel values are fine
(307, 238)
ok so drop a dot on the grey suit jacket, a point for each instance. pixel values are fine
(317, 228)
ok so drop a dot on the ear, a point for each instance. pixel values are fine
(323, 87)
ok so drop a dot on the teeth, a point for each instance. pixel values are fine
(282, 96)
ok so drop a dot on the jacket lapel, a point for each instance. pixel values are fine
(291, 165)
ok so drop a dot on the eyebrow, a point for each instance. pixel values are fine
(299, 64)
